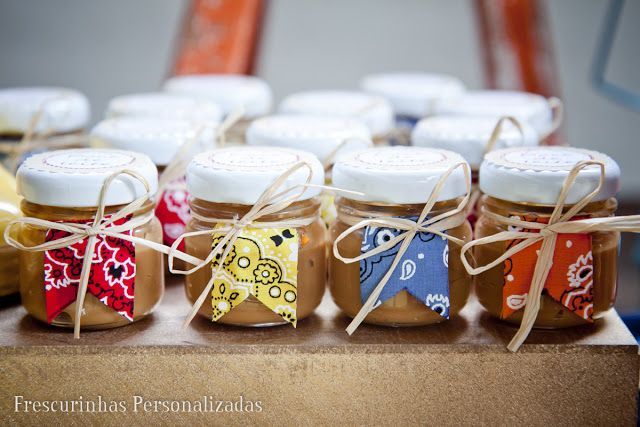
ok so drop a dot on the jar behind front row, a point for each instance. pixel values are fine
(429, 284)
(126, 280)
(524, 183)
(274, 273)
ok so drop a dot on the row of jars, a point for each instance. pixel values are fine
(275, 270)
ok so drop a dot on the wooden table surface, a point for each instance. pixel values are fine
(473, 330)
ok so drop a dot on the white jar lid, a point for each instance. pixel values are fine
(526, 107)
(413, 94)
(166, 106)
(64, 110)
(536, 174)
(242, 174)
(317, 134)
(399, 175)
(158, 138)
(74, 178)
(468, 135)
(229, 91)
(374, 111)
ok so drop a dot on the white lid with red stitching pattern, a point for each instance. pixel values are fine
(242, 174)
(536, 174)
(74, 178)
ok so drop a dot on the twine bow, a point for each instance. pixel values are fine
(177, 167)
(559, 222)
(100, 226)
(30, 141)
(438, 225)
(270, 202)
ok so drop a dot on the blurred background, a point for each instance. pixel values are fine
(585, 52)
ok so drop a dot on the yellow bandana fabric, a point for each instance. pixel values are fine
(263, 263)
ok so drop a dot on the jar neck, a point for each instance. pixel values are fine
(304, 209)
(55, 213)
(353, 208)
(506, 208)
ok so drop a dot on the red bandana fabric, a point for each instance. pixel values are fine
(111, 277)
(570, 281)
(173, 213)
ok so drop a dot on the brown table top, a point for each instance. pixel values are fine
(473, 331)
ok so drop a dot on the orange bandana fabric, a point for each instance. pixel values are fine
(570, 281)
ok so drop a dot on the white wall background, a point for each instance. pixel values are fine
(106, 48)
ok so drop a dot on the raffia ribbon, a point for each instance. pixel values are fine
(330, 159)
(559, 222)
(438, 225)
(30, 141)
(177, 167)
(101, 226)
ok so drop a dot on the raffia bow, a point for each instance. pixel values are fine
(31, 141)
(101, 226)
(438, 225)
(559, 222)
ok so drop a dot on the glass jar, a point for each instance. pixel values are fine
(373, 111)
(160, 138)
(532, 109)
(63, 112)
(396, 182)
(524, 183)
(469, 136)
(402, 309)
(248, 95)
(9, 210)
(61, 186)
(225, 184)
(326, 137)
(413, 96)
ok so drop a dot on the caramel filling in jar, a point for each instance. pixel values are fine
(311, 261)
(402, 309)
(149, 278)
(489, 284)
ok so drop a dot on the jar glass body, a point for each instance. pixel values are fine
(402, 309)
(149, 278)
(311, 261)
(489, 285)
(9, 269)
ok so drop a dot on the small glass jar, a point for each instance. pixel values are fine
(396, 183)
(64, 186)
(326, 137)
(374, 111)
(532, 109)
(524, 183)
(160, 138)
(64, 112)
(166, 106)
(413, 96)
(225, 184)
(468, 136)
(9, 210)
(248, 95)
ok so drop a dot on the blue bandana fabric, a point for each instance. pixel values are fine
(423, 270)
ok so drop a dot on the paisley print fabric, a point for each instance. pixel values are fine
(111, 277)
(173, 212)
(263, 263)
(570, 281)
(423, 270)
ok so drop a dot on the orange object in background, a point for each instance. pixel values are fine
(219, 36)
(516, 47)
